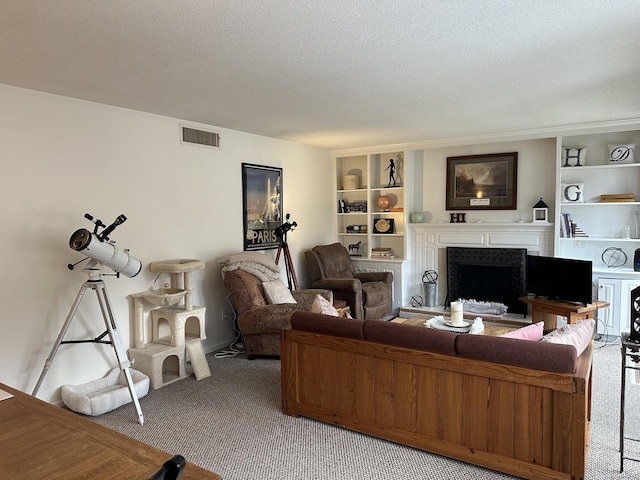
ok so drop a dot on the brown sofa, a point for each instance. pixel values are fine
(517, 406)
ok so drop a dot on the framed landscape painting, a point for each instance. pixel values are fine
(482, 182)
(262, 206)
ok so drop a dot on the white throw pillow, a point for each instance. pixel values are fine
(577, 334)
(277, 292)
(322, 305)
(622, 153)
(572, 192)
(574, 156)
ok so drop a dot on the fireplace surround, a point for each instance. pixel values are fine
(430, 240)
(487, 274)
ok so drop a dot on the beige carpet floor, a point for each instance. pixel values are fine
(231, 423)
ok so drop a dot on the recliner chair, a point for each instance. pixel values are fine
(368, 294)
(258, 321)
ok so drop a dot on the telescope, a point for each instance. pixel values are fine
(97, 246)
(285, 227)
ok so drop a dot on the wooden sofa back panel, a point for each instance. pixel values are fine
(486, 415)
(557, 381)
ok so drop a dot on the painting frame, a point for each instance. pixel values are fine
(482, 182)
(261, 206)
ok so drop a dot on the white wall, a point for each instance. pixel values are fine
(63, 158)
(536, 178)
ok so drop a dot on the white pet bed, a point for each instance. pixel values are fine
(104, 394)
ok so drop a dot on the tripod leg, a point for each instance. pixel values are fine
(118, 345)
(61, 335)
(291, 273)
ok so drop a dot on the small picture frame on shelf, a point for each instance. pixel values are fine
(384, 225)
(574, 156)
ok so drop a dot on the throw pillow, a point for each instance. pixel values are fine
(322, 305)
(622, 153)
(572, 192)
(530, 332)
(577, 334)
(574, 156)
(277, 292)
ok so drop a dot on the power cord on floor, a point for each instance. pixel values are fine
(237, 347)
(603, 339)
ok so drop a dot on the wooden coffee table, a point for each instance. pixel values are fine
(491, 329)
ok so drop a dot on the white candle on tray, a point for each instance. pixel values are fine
(456, 313)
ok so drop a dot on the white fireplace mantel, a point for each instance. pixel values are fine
(429, 242)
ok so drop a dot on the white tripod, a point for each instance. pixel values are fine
(96, 284)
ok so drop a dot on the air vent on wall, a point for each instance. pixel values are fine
(200, 137)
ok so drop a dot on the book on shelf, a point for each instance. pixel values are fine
(565, 226)
(570, 229)
(617, 197)
(382, 252)
(356, 229)
(358, 206)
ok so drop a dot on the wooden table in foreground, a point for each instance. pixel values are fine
(491, 330)
(547, 311)
(39, 440)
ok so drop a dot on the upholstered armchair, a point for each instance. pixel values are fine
(368, 294)
(247, 278)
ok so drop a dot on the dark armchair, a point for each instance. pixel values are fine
(369, 294)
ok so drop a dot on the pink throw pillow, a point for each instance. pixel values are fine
(577, 334)
(530, 332)
(322, 305)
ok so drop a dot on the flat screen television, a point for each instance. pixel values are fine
(562, 279)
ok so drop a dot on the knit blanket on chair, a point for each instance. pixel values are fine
(255, 263)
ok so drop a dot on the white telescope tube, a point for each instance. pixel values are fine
(105, 253)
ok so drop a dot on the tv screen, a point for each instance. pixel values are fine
(562, 279)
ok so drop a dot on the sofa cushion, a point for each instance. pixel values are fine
(578, 334)
(517, 352)
(327, 325)
(530, 332)
(410, 336)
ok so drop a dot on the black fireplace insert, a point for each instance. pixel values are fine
(488, 275)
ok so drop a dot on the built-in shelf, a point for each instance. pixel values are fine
(601, 239)
(604, 222)
(606, 166)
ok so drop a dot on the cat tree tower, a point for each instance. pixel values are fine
(177, 327)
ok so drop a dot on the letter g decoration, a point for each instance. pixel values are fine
(573, 192)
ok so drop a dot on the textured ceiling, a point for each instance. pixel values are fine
(336, 73)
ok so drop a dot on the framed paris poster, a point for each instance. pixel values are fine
(262, 205)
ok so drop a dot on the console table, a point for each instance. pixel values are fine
(40, 440)
(547, 311)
